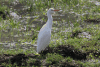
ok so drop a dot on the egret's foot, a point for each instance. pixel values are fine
(37, 54)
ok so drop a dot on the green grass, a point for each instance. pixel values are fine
(17, 51)
(53, 58)
(64, 32)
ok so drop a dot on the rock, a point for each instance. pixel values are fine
(14, 15)
(84, 35)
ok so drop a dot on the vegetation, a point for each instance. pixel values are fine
(75, 39)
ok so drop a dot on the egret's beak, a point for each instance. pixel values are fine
(55, 10)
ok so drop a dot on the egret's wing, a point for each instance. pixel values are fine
(43, 39)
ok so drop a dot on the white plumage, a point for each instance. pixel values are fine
(45, 32)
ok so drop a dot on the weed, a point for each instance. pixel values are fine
(53, 58)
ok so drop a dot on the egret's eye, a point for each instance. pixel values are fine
(51, 10)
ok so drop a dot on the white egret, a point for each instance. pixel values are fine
(45, 32)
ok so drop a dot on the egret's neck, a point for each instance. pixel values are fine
(49, 22)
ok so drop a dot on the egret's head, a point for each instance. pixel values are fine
(51, 11)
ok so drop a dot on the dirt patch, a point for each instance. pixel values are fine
(70, 51)
(66, 51)
(75, 34)
(66, 64)
(95, 53)
(19, 59)
(13, 59)
(93, 20)
(3, 15)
